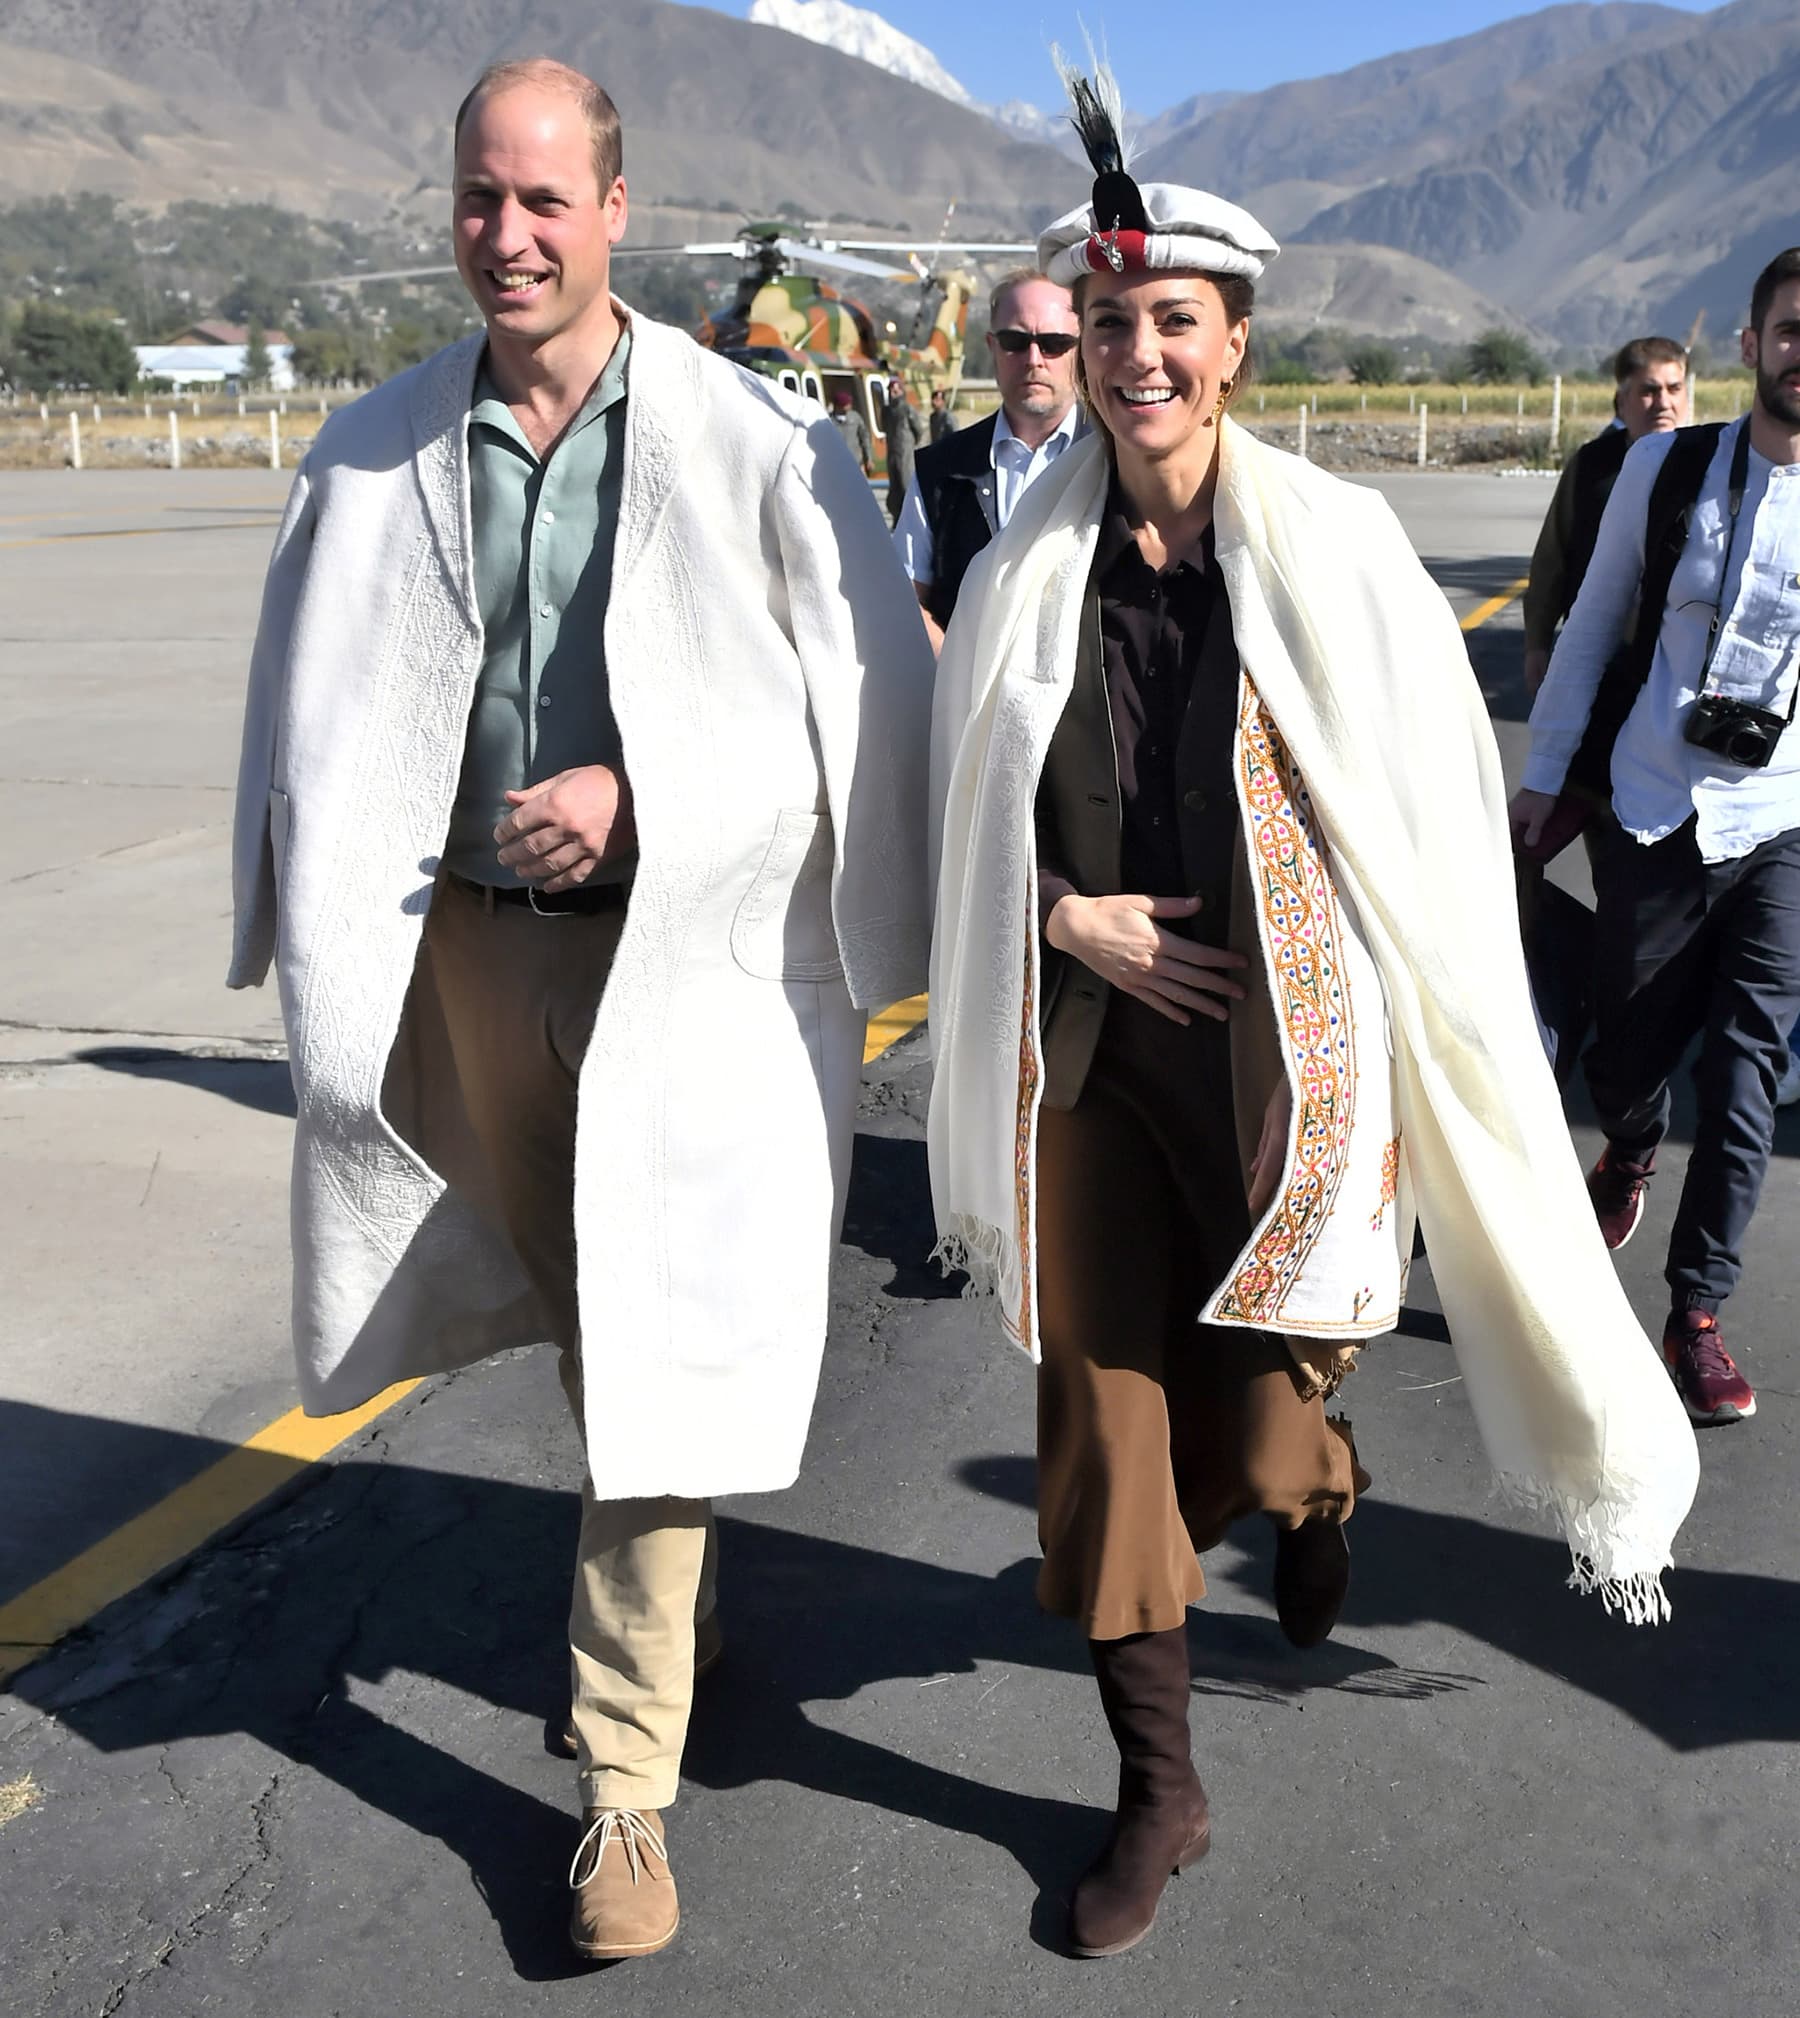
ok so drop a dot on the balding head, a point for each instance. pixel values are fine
(544, 73)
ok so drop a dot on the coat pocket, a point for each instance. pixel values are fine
(281, 822)
(783, 929)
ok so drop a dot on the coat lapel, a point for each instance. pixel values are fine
(664, 411)
(440, 415)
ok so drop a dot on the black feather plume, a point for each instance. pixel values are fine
(1098, 118)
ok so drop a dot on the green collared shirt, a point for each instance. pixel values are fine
(543, 543)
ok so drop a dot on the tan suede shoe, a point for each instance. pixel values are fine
(625, 1901)
(709, 1651)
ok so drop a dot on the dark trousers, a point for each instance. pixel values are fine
(1684, 948)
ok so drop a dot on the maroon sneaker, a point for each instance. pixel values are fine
(1704, 1373)
(1617, 1189)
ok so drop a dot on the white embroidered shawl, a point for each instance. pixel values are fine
(1360, 663)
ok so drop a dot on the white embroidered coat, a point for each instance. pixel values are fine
(772, 685)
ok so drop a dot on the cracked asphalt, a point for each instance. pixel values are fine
(306, 1772)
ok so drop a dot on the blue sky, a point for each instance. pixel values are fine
(1166, 50)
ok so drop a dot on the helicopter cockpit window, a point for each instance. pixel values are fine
(789, 379)
(872, 400)
(809, 384)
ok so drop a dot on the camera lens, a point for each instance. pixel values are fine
(1744, 747)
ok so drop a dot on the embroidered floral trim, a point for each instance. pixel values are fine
(1304, 933)
(1390, 1183)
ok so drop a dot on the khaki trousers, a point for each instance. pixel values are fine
(1156, 1432)
(519, 993)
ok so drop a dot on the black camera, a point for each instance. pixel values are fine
(1735, 731)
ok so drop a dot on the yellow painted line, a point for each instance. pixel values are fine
(175, 1526)
(888, 1026)
(142, 532)
(192, 1514)
(1481, 613)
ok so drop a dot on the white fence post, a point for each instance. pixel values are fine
(74, 439)
(96, 413)
(1303, 434)
(1555, 417)
(44, 411)
(1424, 413)
(274, 439)
(174, 439)
(240, 406)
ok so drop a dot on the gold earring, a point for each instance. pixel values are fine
(1225, 390)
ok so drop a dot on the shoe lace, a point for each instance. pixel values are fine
(1706, 1351)
(630, 1831)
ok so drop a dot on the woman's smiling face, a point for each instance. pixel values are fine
(1155, 349)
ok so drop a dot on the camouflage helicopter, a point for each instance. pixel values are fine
(813, 339)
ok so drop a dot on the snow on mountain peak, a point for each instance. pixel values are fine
(858, 32)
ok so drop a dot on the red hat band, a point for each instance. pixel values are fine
(1121, 251)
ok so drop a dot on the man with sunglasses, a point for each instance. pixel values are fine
(966, 487)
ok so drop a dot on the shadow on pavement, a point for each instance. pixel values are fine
(262, 1084)
(1720, 1673)
(382, 1569)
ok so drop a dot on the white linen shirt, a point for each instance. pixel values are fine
(1016, 469)
(1659, 781)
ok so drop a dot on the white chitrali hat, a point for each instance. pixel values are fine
(1128, 228)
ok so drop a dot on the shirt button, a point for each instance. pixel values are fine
(543, 700)
(543, 609)
(1195, 802)
(549, 518)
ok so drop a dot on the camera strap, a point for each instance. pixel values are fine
(1734, 504)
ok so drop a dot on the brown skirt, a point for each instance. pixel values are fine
(1156, 1432)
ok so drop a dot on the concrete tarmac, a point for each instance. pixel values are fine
(305, 1773)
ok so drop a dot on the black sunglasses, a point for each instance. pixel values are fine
(1016, 342)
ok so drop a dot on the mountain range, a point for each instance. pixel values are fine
(1585, 171)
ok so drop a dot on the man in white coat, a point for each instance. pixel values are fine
(587, 725)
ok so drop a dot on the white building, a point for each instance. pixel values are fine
(211, 364)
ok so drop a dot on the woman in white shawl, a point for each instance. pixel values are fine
(1204, 720)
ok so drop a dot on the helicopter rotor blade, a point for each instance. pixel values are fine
(928, 246)
(833, 260)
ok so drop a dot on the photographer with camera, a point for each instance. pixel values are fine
(1682, 717)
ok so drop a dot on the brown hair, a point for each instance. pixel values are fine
(1644, 351)
(601, 114)
(1237, 293)
(1784, 266)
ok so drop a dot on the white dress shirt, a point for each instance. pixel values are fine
(1016, 469)
(1658, 780)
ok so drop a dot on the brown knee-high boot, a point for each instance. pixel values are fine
(1161, 1826)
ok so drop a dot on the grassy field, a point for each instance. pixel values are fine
(1348, 426)
(134, 434)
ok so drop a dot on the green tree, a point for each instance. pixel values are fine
(256, 357)
(1374, 364)
(1503, 357)
(55, 349)
(323, 355)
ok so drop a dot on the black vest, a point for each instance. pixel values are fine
(1597, 466)
(956, 487)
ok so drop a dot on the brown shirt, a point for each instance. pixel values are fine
(1170, 665)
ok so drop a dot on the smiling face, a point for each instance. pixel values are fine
(534, 229)
(1155, 350)
(1773, 353)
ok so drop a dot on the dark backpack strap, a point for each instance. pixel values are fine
(1671, 512)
